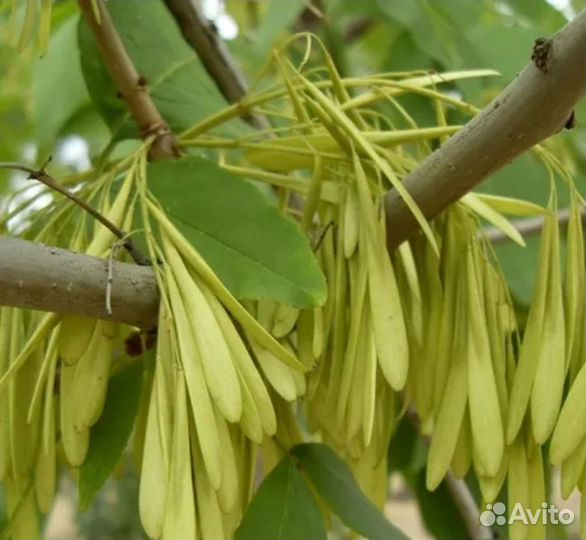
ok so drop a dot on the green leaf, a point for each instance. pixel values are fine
(404, 54)
(438, 510)
(180, 87)
(546, 18)
(519, 265)
(335, 484)
(59, 90)
(506, 49)
(283, 508)
(256, 251)
(110, 434)
(431, 27)
(407, 453)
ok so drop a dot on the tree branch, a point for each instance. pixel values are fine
(45, 178)
(356, 29)
(36, 276)
(211, 50)
(213, 53)
(459, 491)
(506, 128)
(529, 226)
(467, 507)
(533, 107)
(129, 82)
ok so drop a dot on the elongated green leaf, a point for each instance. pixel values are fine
(179, 84)
(334, 482)
(110, 434)
(501, 46)
(256, 252)
(283, 509)
(432, 26)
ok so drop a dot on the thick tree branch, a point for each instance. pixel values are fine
(533, 107)
(500, 127)
(36, 276)
(129, 82)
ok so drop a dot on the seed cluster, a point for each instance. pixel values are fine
(430, 330)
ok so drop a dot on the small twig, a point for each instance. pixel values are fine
(529, 227)
(45, 178)
(322, 235)
(467, 507)
(310, 19)
(253, 15)
(315, 10)
(459, 491)
(131, 85)
(356, 29)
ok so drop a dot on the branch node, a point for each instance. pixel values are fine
(131, 84)
(541, 56)
(531, 109)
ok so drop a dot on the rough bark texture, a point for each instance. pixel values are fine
(37, 276)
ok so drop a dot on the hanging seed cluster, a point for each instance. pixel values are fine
(430, 331)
